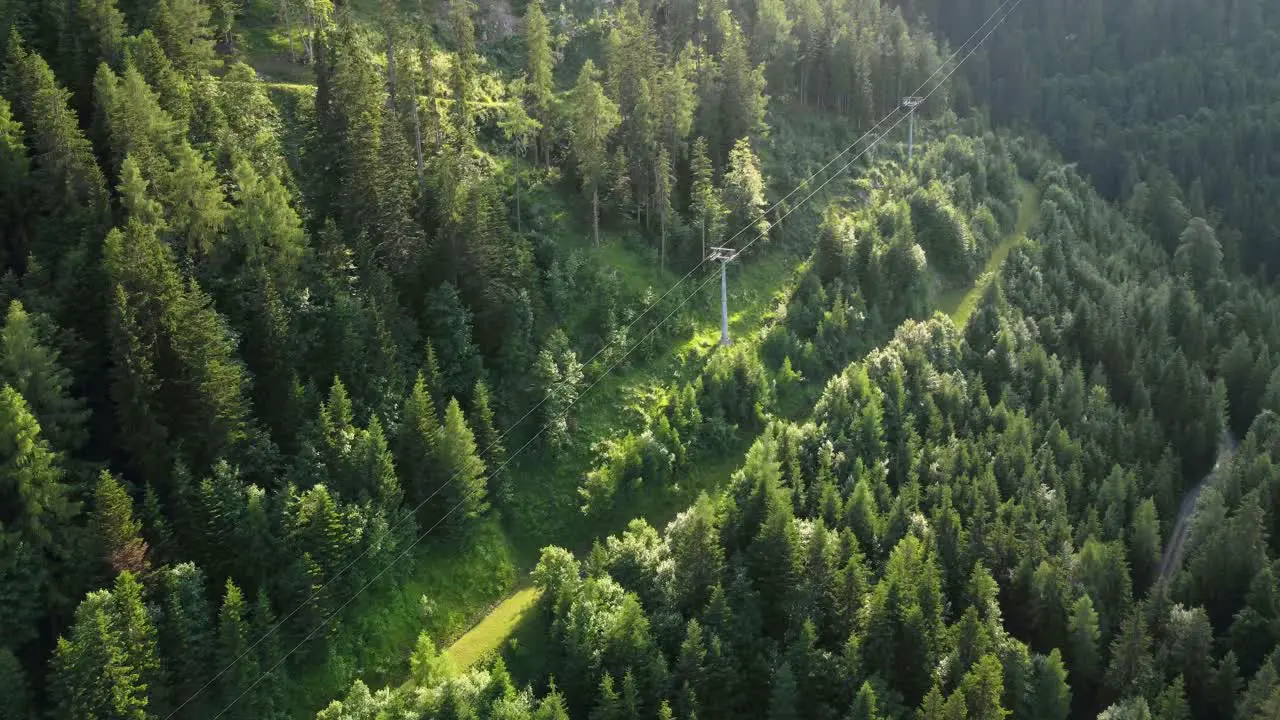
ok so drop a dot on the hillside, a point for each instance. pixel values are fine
(336, 334)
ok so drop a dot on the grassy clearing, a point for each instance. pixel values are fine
(495, 628)
(442, 587)
(959, 303)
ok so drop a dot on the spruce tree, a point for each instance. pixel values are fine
(175, 366)
(186, 635)
(235, 654)
(14, 167)
(375, 472)
(33, 368)
(38, 506)
(72, 213)
(539, 65)
(416, 448)
(117, 536)
(489, 441)
(705, 203)
(92, 677)
(465, 491)
(449, 324)
(593, 118)
(744, 192)
(464, 68)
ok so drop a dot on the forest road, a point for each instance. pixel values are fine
(1173, 550)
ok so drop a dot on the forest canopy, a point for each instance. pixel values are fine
(329, 328)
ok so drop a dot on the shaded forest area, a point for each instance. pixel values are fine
(263, 338)
(1143, 94)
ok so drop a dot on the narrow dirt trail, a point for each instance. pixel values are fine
(1173, 549)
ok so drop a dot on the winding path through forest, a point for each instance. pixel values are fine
(1174, 549)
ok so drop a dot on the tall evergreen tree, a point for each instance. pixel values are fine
(33, 368)
(175, 368)
(593, 118)
(116, 534)
(705, 202)
(489, 441)
(416, 450)
(465, 491)
(539, 66)
(744, 192)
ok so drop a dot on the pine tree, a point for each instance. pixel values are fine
(175, 365)
(92, 676)
(539, 66)
(14, 169)
(784, 697)
(264, 230)
(607, 706)
(983, 687)
(184, 30)
(38, 507)
(489, 442)
(662, 192)
(593, 118)
(72, 213)
(465, 492)
(744, 191)
(865, 704)
(235, 653)
(705, 201)
(416, 448)
(143, 52)
(1132, 667)
(449, 324)
(33, 369)
(742, 98)
(375, 473)
(464, 69)
(186, 635)
(117, 536)
(1050, 692)
(1144, 544)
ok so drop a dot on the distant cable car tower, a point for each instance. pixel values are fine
(724, 256)
(911, 103)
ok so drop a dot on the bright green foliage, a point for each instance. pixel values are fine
(744, 193)
(107, 667)
(705, 202)
(465, 494)
(559, 374)
(233, 642)
(416, 449)
(117, 536)
(33, 368)
(489, 443)
(374, 473)
(264, 230)
(38, 506)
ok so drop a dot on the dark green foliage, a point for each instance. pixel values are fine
(975, 522)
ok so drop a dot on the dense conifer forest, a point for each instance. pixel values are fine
(361, 361)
